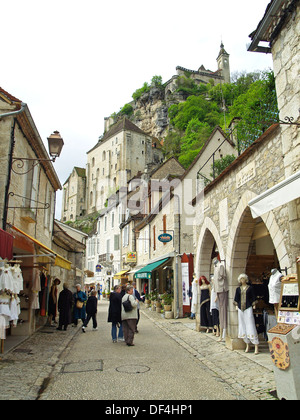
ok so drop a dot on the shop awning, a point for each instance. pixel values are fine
(120, 274)
(59, 260)
(146, 272)
(282, 193)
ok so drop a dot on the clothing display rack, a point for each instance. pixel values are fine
(11, 284)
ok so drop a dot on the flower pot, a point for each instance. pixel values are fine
(167, 307)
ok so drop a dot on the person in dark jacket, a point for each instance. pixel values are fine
(91, 311)
(114, 314)
(79, 311)
(65, 302)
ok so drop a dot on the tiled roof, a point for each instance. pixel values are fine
(123, 125)
(10, 97)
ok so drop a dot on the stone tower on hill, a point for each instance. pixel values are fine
(223, 64)
(150, 110)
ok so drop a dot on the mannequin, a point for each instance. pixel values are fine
(194, 296)
(205, 316)
(214, 309)
(275, 289)
(221, 288)
(245, 301)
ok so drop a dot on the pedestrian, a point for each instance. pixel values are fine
(79, 307)
(52, 302)
(138, 297)
(65, 302)
(114, 314)
(123, 289)
(91, 311)
(129, 318)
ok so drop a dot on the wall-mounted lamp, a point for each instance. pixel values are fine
(55, 145)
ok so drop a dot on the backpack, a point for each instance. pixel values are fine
(127, 305)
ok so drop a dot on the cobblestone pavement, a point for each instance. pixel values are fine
(248, 374)
(26, 370)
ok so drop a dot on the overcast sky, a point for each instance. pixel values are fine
(75, 62)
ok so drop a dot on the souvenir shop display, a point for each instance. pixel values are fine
(245, 301)
(222, 289)
(11, 284)
(284, 343)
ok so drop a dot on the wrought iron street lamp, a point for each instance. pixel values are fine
(55, 145)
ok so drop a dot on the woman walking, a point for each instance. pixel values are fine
(114, 314)
(79, 308)
(129, 318)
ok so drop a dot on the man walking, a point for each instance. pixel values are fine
(91, 310)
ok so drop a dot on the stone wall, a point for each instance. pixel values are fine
(224, 216)
(285, 51)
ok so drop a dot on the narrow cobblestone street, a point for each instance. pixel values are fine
(169, 361)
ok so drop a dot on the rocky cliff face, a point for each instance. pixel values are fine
(151, 111)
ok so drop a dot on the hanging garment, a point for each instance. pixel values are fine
(6, 245)
(14, 315)
(214, 308)
(44, 294)
(194, 296)
(2, 327)
(6, 279)
(17, 279)
(275, 287)
(5, 304)
(36, 288)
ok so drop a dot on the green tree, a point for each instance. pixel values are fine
(221, 164)
(257, 108)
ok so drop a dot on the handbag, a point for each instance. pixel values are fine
(127, 305)
(79, 304)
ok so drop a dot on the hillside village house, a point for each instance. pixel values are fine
(27, 201)
(250, 215)
(73, 201)
(119, 155)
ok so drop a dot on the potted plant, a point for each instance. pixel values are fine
(168, 299)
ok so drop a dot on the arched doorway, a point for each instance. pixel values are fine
(255, 246)
(209, 245)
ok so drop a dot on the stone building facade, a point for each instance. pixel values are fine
(73, 201)
(247, 241)
(120, 154)
(28, 183)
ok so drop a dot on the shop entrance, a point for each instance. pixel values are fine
(254, 253)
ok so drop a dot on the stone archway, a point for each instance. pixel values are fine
(240, 235)
(209, 234)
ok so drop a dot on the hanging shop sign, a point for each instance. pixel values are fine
(98, 268)
(165, 237)
(131, 257)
